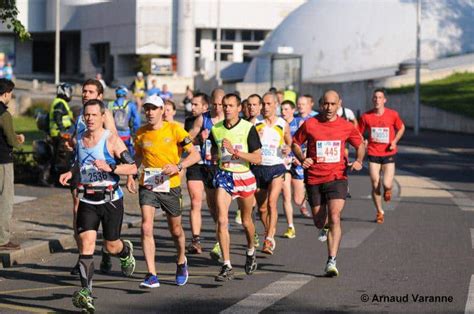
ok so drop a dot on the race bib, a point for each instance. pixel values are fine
(328, 151)
(269, 150)
(155, 180)
(380, 135)
(90, 174)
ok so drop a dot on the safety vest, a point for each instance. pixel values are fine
(139, 89)
(238, 136)
(66, 119)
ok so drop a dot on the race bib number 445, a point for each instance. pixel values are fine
(328, 151)
(380, 135)
(155, 180)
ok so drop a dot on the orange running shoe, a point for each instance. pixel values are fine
(379, 218)
(387, 195)
(267, 247)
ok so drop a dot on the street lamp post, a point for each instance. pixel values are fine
(417, 82)
(218, 44)
(56, 46)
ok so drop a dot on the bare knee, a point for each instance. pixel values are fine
(147, 229)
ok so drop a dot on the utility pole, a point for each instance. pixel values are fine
(218, 45)
(57, 47)
(417, 82)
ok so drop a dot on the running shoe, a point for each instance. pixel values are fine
(216, 253)
(323, 234)
(251, 263)
(82, 299)
(128, 263)
(387, 195)
(290, 233)
(226, 273)
(150, 281)
(267, 247)
(256, 240)
(76, 270)
(182, 274)
(238, 218)
(380, 218)
(272, 240)
(195, 247)
(331, 269)
(105, 263)
(304, 211)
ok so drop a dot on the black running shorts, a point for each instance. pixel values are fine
(265, 174)
(194, 173)
(208, 174)
(90, 216)
(382, 160)
(321, 193)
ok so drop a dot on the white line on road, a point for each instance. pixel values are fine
(354, 237)
(20, 199)
(470, 297)
(472, 237)
(269, 295)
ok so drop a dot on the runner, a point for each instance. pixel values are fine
(139, 87)
(91, 89)
(201, 129)
(157, 154)
(126, 116)
(236, 144)
(101, 198)
(254, 108)
(275, 137)
(385, 130)
(170, 111)
(195, 175)
(325, 175)
(295, 173)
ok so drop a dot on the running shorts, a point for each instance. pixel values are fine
(297, 172)
(237, 184)
(170, 202)
(110, 214)
(382, 160)
(194, 173)
(265, 174)
(321, 193)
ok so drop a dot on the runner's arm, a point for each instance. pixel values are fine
(193, 133)
(109, 122)
(398, 136)
(119, 151)
(254, 156)
(135, 117)
(192, 158)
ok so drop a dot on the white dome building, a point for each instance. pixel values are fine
(336, 37)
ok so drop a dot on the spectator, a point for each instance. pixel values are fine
(188, 97)
(98, 77)
(8, 140)
(165, 93)
(154, 90)
(138, 87)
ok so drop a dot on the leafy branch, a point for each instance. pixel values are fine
(9, 16)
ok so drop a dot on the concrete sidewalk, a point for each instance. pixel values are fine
(43, 225)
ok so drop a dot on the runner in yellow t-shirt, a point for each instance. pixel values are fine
(158, 145)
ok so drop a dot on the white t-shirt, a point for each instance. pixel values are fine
(349, 113)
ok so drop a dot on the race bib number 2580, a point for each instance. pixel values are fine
(328, 151)
(380, 135)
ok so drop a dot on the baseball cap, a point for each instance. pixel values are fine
(154, 100)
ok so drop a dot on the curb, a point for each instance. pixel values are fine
(31, 251)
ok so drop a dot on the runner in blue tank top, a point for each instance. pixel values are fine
(101, 199)
(201, 130)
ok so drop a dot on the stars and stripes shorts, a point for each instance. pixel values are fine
(237, 184)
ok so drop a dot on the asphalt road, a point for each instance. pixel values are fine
(419, 260)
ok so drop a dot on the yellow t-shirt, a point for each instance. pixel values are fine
(161, 147)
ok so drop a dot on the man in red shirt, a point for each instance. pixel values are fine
(385, 129)
(326, 168)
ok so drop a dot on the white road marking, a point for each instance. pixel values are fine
(354, 237)
(20, 199)
(269, 295)
(470, 297)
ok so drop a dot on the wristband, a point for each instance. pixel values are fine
(113, 167)
(235, 155)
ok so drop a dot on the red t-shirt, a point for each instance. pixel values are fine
(381, 129)
(325, 142)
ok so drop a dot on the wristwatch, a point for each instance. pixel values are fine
(180, 166)
(113, 167)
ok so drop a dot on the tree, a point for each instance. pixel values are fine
(9, 16)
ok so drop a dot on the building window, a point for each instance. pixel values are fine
(229, 34)
(246, 35)
(258, 35)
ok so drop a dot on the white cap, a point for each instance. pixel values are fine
(154, 100)
(139, 74)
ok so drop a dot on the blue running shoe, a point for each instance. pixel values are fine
(182, 274)
(150, 281)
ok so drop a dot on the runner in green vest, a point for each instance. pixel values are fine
(60, 115)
